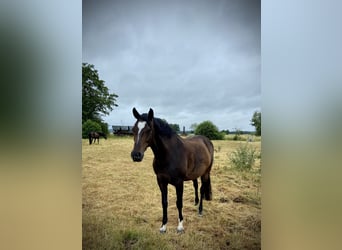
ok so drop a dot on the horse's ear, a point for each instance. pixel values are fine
(150, 115)
(136, 114)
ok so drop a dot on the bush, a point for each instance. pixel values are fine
(104, 128)
(208, 129)
(237, 136)
(88, 126)
(244, 157)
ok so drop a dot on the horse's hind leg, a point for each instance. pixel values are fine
(200, 208)
(205, 191)
(195, 182)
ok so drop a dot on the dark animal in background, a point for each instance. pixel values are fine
(175, 160)
(93, 136)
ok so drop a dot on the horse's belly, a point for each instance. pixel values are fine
(196, 172)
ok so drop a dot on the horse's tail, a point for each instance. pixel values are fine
(90, 139)
(207, 187)
(207, 190)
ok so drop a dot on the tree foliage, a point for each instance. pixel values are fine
(208, 129)
(96, 99)
(256, 122)
(175, 127)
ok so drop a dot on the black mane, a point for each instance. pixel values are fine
(161, 126)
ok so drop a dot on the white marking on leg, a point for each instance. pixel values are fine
(141, 126)
(180, 227)
(163, 229)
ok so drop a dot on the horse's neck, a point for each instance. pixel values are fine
(161, 146)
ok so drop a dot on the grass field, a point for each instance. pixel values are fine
(121, 202)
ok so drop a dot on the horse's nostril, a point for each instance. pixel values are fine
(137, 156)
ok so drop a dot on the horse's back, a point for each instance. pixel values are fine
(198, 140)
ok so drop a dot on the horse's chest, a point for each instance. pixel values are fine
(169, 171)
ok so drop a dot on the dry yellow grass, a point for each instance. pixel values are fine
(121, 202)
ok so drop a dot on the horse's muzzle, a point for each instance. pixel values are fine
(137, 156)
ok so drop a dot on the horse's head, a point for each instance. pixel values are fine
(143, 134)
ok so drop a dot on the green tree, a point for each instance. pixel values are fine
(256, 122)
(175, 127)
(208, 129)
(96, 99)
(225, 131)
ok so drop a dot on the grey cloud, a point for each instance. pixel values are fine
(189, 60)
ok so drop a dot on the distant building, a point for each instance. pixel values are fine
(122, 130)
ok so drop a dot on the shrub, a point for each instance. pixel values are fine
(237, 135)
(104, 128)
(88, 126)
(208, 129)
(244, 157)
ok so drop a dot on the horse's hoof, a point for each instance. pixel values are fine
(200, 214)
(162, 230)
(180, 228)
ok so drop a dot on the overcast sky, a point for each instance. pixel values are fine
(190, 61)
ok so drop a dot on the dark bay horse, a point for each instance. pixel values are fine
(175, 160)
(93, 136)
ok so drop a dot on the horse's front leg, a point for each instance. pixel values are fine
(163, 189)
(179, 191)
